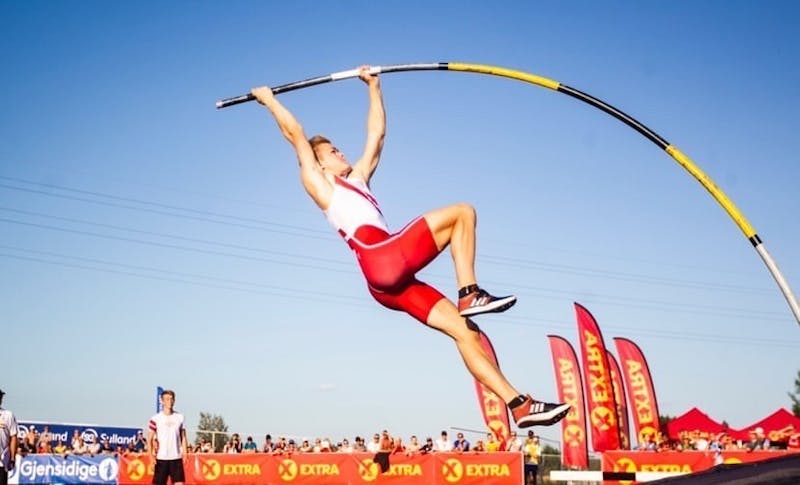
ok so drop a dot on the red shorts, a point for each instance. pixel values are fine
(390, 262)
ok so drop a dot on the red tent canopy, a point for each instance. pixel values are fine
(778, 426)
(693, 420)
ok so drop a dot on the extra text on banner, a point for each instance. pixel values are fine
(597, 379)
(575, 451)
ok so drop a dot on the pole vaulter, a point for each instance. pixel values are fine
(683, 160)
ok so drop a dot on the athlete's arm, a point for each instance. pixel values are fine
(376, 127)
(151, 437)
(314, 181)
(14, 444)
(184, 442)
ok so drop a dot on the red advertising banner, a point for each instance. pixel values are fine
(137, 468)
(494, 410)
(575, 450)
(597, 380)
(499, 468)
(504, 468)
(678, 461)
(621, 403)
(641, 393)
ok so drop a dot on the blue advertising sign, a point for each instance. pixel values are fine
(159, 390)
(37, 469)
(116, 436)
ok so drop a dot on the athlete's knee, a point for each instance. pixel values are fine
(466, 213)
(466, 210)
(472, 326)
(467, 332)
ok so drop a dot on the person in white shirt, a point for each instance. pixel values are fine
(700, 444)
(8, 442)
(325, 445)
(443, 444)
(167, 442)
(374, 446)
(514, 443)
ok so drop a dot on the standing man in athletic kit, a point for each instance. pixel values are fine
(9, 442)
(389, 261)
(167, 443)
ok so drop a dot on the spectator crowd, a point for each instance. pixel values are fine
(380, 442)
(42, 442)
(697, 440)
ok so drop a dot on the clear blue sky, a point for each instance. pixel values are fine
(149, 239)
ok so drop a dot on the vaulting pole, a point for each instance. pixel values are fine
(670, 149)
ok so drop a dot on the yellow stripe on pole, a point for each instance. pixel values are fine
(715, 191)
(504, 72)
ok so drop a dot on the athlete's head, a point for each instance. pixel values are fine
(328, 156)
(168, 399)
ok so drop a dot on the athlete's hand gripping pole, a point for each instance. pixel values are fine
(244, 98)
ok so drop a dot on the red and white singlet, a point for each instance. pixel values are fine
(352, 206)
(389, 261)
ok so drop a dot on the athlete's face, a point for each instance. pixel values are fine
(330, 158)
(167, 401)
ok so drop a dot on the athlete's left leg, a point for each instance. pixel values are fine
(430, 307)
(444, 317)
(526, 411)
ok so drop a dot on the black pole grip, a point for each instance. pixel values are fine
(276, 90)
(237, 100)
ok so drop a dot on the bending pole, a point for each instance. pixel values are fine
(671, 150)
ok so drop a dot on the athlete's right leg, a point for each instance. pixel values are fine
(454, 225)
